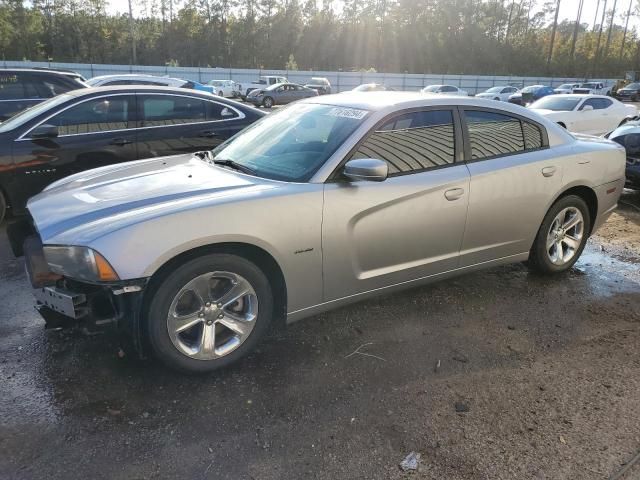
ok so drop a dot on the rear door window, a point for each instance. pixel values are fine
(167, 110)
(493, 134)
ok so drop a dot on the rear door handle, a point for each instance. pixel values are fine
(121, 142)
(454, 194)
(207, 134)
(548, 171)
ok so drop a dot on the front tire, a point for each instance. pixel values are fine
(267, 102)
(208, 312)
(561, 237)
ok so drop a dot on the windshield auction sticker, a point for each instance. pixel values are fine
(347, 113)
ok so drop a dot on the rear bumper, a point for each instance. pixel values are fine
(608, 195)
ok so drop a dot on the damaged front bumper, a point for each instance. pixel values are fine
(69, 303)
(65, 303)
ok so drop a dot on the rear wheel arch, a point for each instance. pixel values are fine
(256, 255)
(588, 195)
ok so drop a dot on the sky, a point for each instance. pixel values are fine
(568, 10)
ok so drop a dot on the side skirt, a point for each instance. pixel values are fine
(323, 307)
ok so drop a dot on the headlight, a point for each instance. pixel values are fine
(79, 263)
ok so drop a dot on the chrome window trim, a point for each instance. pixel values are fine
(240, 116)
(24, 99)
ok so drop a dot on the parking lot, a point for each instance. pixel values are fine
(495, 375)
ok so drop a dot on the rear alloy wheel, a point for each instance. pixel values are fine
(209, 312)
(267, 102)
(562, 236)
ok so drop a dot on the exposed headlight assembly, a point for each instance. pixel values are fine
(79, 263)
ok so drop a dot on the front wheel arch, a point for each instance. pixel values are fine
(260, 257)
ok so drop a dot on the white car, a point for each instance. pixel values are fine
(498, 93)
(142, 79)
(593, 88)
(591, 114)
(225, 88)
(445, 89)
(566, 88)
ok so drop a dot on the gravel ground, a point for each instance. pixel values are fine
(495, 375)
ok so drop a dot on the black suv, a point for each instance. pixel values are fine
(21, 88)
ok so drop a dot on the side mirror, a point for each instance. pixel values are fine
(587, 108)
(368, 169)
(44, 131)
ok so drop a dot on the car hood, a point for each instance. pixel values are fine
(486, 95)
(90, 204)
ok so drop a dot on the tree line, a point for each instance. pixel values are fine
(501, 37)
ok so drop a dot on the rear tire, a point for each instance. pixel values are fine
(267, 102)
(561, 237)
(208, 312)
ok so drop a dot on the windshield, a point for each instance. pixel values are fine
(22, 117)
(588, 85)
(495, 90)
(556, 104)
(217, 83)
(292, 143)
(566, 86)
(531, 89)
(634, 86)
(431, 88)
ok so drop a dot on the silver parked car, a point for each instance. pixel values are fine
(279, 94)
(323, 203)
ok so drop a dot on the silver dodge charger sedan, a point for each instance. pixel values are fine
(322, 203)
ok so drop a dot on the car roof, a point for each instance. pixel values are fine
(375, 101)
(136, 88)
(577, 95)
(40, 71)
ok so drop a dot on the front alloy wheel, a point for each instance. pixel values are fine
(207, 312)
(212, 315)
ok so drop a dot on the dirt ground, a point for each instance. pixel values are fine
(499, 374)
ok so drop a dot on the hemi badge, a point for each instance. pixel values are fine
(611, 190)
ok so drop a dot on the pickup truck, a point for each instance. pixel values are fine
(593, 88)
(262, 82)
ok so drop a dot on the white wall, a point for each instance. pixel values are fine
(339, 80)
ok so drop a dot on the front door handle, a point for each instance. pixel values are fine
(207, 134)
(121, 142)
(454, 194)
(548, 171)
